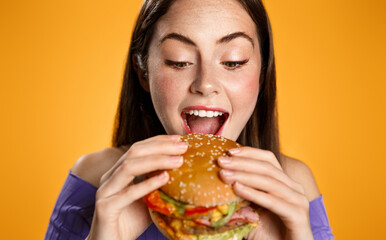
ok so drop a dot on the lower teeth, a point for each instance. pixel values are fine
(186, 122)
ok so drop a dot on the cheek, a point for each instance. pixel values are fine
(164, 91)
(252, 86)
(246, 89)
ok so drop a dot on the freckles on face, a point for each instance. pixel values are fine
(196, 71)
(164, 92)
(166, 84)
(163, 88)
(252, 84)
(243, 94)
(246, 92)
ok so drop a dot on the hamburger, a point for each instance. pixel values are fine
(195, 204)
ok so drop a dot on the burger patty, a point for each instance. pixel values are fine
(202, 229)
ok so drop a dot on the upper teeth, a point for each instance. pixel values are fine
(203, 113)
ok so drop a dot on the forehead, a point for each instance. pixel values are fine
(202, 20)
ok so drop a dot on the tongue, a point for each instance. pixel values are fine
(206, 125)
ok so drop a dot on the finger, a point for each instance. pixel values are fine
(154, 145)
(131, 168)
(262, 183)
(286, 211)
(115, 203)
(260, 167)
(256, 153)
(161, 144)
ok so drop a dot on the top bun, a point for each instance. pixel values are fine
(196, 181)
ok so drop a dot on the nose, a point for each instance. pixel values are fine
(205, 82)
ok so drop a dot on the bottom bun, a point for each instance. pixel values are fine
(236, 233)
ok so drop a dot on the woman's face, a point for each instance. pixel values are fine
(204, 54)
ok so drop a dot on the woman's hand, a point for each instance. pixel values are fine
(120, 212)
(257, 176)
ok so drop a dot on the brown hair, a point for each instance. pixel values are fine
(136, 118)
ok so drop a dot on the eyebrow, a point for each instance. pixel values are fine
(225, 39)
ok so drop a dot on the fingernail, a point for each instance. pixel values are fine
(174, 138)
(163, 175)
(238, 185)
(227, 172)
(224, 160)
(176, 159)
(181, 144)
(234, 150)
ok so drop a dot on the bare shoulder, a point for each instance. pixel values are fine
(92, 166)
(302, 174)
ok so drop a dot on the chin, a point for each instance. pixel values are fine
(195, 203)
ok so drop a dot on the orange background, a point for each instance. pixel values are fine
(61, 70)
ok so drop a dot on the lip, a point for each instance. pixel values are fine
(226, 114)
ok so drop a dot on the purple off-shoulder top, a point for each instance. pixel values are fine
(74, 209)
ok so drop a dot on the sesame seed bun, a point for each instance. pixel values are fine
(196, 181)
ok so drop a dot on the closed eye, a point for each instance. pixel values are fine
(177, 65)
(234, 65)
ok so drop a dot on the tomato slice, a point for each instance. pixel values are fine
(155, 202)
(198, 211)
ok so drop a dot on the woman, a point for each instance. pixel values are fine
(192, 54)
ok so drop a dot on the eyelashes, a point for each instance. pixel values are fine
(234, 65)
(230, 65)
(177, 65)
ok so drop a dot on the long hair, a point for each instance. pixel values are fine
(136, 118)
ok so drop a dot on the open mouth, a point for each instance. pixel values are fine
(206, 122)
